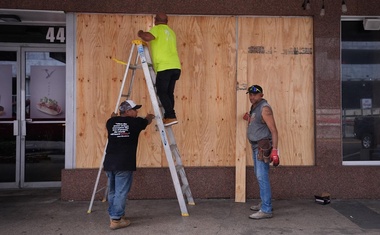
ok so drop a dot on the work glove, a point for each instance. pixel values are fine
(274, 158)
(246, 116)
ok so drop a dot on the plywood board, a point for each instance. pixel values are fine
(275, 52)
(100, 39)
(205, 93)
(241, 126)
(280, 59)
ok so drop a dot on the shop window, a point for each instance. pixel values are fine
(360, 71)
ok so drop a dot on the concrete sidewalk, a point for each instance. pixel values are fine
(42, 212)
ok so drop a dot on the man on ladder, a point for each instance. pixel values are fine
(163, 44)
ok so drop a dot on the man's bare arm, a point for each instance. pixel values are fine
(268, 117)
(146, 36)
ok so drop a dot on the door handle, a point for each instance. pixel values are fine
(15, 127)
(23, 128)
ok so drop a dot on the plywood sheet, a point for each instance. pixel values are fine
(205, 93)
(241, 126)
(280, 59)
(273, 52)
(100, 39)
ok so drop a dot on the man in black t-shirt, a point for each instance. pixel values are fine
(120, 158)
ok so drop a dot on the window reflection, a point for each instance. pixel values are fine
(360, 51)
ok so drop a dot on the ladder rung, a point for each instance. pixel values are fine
(132, 66)
(173, 146)
(138, 66)
(184, 188)
(178, 168)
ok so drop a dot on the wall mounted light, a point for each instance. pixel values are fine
(323, 9)
(344, 6)
(306, 4)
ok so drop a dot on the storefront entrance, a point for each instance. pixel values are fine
(32, 99)
(32, 118)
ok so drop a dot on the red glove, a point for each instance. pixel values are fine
(246, 116)
(274, 157)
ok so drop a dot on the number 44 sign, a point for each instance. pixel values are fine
(54, 34)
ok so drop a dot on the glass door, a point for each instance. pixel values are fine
(43, 98)
(9, 117)
(32, 127)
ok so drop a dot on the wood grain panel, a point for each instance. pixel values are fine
(205, 93)
(100, 38)
(277, 53)
(280, 59)
(241, 126)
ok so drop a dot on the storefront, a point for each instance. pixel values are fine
(326, 81)
(32, 99)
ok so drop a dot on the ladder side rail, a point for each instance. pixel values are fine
(105, 147)
(97, 180)
(124, 80)
(150, 64)
(182, 174)
(161, 128)
(152, 73)
(132, 78)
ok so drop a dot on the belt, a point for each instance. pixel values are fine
(256, 142)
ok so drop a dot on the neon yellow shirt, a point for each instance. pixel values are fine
(164, 48)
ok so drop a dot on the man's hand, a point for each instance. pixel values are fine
(113, 114)
(149, 117)
(274, 157)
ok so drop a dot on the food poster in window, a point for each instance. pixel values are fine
(47, 92)
(5, 91)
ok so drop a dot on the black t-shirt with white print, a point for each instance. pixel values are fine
(123, 136)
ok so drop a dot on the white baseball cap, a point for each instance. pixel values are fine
(129, 104)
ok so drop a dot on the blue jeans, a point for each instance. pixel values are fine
(119, 185)
(165, 84)
(262, 174)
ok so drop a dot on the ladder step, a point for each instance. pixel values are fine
(134, 67)
(178, 168)
(185, 188)
(138, 66)
(173, 146)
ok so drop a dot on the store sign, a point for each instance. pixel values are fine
(33, 34)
